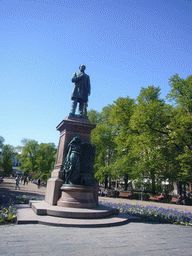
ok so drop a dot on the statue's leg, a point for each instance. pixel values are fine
(81, 104)
(85, 109)
(73, 107)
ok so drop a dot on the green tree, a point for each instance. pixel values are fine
(121, 112)
(28, 158)
(7, 159)
(148, 124)
(1, 142)
(94, 116)
(46, 156)
(103, 138)
(147, 139)
(181, 91)
(180, 145)
(181, 127)
(1, 146)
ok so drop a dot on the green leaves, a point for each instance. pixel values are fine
(1, 142)
(28, 158)
(181, 91)
(37, 159)
(147, 138)
(46, 156)
(103, 138)
(7, 157)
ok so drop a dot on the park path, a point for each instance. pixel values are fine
(8, 186)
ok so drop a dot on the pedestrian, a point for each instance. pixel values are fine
(179, 201)
(161, 197)
(102, 192)
(17, 179)
(39, 182)
(25, 180)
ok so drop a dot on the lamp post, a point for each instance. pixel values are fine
(142, 188)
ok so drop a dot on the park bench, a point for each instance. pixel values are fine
(174, 200)
(124, 194)
(156, 198)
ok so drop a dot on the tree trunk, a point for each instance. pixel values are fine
(180, 188)
(153, 182)
(126, 182)
(106, 183)
(184, 189)
(109, 183)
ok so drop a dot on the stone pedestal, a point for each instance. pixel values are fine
(53, 192)
(77, 197)
(68, 128)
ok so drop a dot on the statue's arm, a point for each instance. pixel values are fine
(76, 78)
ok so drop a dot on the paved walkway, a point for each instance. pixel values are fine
(130, 239)
(8, 186)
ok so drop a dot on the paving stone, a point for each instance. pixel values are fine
(130, 239)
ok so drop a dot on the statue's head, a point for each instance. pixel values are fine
(82, 68)
(77, 138)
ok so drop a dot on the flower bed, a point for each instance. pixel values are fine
(8, 212)
(154, 214)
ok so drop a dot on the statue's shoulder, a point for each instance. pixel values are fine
(87, 76)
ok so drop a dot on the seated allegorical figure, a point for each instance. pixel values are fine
(78, 165)
(72, 162)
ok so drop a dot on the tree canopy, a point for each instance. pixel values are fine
(146, 137)
(37, 160)
(7, 159)
(1, 142)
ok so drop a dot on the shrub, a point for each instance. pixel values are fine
(8, 212)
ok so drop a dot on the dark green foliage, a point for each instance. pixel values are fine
(7, 159)
(137, 196)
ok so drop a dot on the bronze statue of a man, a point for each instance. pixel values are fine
(81, 91)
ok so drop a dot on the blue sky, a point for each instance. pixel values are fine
(125, 45)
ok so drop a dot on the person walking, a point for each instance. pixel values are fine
(17, 179)
(25, 180)
(39, 182)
